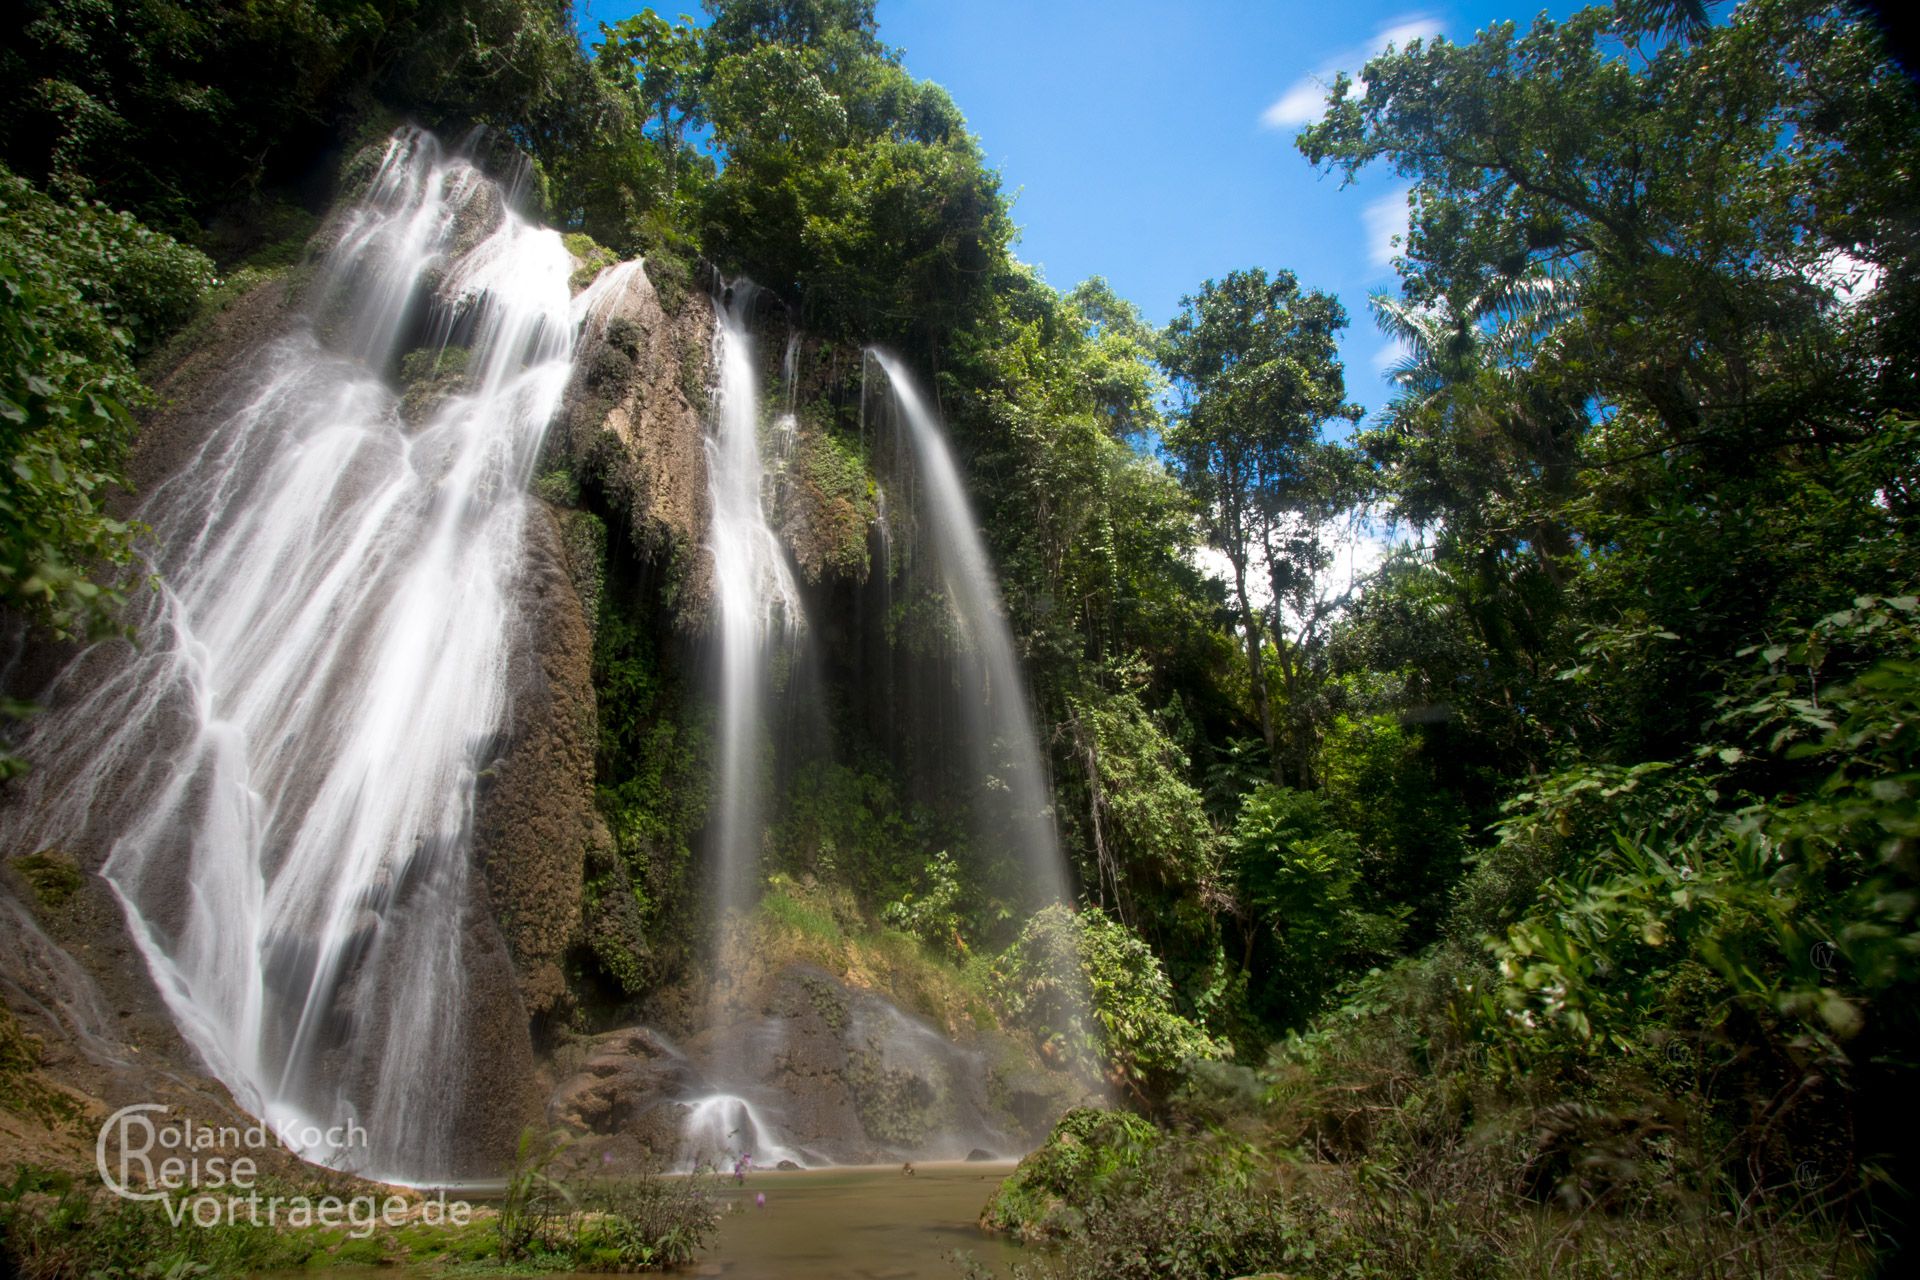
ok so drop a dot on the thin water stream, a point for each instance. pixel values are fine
(1000, 720)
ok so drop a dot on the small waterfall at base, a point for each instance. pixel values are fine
(1001, 722)
(722, 1127)
(285, 772)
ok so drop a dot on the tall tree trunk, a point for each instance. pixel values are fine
(1289, 655)
(1256, 669)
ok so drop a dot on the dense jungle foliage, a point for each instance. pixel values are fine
(1544, 904)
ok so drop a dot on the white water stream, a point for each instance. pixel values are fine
(1001, 728)
(286, 768)
(756, 602)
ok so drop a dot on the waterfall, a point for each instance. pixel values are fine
(756, 601)
(284, 772)
(722, 1127)
(1001, 732)
(757, 608)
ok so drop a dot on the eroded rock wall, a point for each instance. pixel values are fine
(536, 819)
(634, 426)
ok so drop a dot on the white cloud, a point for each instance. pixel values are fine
(1386, 221)
(1390, 355)
(1847, 278)
(1298, 105)
(1303, 100)
(1212, 562)
(1361, 555)
(1405, 30)
(1358, 543)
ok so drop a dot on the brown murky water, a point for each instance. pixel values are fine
(826, 1224)
(863, 1224)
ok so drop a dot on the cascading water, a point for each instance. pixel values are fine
(756, 601)
(721, 1127)
(285, 771)
(1001, 723)
(757, 608)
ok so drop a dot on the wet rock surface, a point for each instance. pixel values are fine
(536, 816)
(622, 1101)
(634, 422)
(88, 1032)
(837, 1073)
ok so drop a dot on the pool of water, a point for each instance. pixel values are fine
(841, 1223)
(867, 1224)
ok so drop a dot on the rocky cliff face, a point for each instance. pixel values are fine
(536, 819)
(634, 425)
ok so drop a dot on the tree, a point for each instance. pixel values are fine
(847, 186)
(179, 109)
(1704, 258)
(660, 63)
(1632, 333)
(1255, 364)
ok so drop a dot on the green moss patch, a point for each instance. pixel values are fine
(53, 876)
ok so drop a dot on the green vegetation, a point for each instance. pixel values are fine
(83, 291)
(52, 1227)
(1136, 1034)
(1086, 1151)
(1590, 901)
(53, 876)
(644, 1222)
(23, 1090)
(1543, 905)
(653, 792)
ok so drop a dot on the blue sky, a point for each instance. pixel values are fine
(1153, 143)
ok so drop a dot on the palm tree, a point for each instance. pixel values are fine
(1476, 437)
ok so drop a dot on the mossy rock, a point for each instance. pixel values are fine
(672, 280)
(831, 505)
(428, 377)
(826, 1000)
(614, 922)
(895, 1106)
(475, 221)
(609, 370)
(23, 1090)
(53, 876)
(591, 258)
(583, 544)
(199, 331)
(693, 372)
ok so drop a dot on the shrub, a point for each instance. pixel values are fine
(643, 1222)
(1296, 874)
(1087, 1147)
(1066, 965)
(933, 915)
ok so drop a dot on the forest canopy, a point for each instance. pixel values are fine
(1568, 860)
